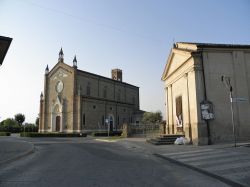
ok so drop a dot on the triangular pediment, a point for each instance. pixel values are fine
(176, 59)
(61, 70)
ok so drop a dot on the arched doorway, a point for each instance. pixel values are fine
(57, 117)
(58, 122)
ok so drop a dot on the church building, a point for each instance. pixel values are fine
(207, 89)
(78, 101)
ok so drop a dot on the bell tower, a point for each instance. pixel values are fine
(116, 74)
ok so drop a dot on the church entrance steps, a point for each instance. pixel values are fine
(164, 139)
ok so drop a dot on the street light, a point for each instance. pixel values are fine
(227, 82)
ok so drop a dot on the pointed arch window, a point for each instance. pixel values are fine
(83, 119)
(105, 92)
(119, 95)
(88, 89)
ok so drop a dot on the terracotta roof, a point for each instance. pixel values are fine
(93, 74)
(216, 45)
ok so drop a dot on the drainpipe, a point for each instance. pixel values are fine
(205, 97)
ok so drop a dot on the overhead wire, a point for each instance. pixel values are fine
(93, 22)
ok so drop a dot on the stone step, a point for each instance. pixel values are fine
(164, 139)
(171, 135)
(155, 142)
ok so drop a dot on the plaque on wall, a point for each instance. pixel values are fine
(207, 110)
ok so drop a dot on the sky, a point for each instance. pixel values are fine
(133, 35)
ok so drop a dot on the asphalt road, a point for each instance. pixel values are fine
(87, 162)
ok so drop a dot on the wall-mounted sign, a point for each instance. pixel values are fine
(207, 110)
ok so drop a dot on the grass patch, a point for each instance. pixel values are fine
(5, 133)
(36, 134)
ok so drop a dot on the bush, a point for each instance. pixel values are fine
(29, 127)
(36, 134)
(5, 133)
(152, 117)
(105, 133)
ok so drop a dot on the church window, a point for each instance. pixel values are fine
(103, 120)
(111, 108)
(179, 117)
(133, 100)
(94, 107)
(105, 92)
(83, 119)
(88, 89)
(178, 102)
(119, 95)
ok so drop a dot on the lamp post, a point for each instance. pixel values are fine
(227, 82)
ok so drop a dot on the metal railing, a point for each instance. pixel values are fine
(149, 130)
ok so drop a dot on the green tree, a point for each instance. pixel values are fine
(9, 125)
(37, 121)
(20, 118)
(152, 117)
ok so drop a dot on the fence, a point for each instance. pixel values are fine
(144, 130)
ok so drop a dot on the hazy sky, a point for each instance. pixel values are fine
(133, 35)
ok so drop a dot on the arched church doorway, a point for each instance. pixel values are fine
(58, 122)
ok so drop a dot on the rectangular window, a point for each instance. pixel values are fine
(118, 120)
(118, 95)
(83, 119)
(103, 120)
(133, 100)
(88, 89)
(179, 116)
(105, 92)
(178, 102)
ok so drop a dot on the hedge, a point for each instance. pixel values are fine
(36, 134)
(105, 133)
(5, 133)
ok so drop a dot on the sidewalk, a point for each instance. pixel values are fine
(13, 148)
(222, 161)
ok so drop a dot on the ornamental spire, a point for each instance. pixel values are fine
(41, 96)
(61, 56)
(75, 62)
(47, 69)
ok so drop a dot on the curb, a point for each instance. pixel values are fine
(32, 150)
(222, 179)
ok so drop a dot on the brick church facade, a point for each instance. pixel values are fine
(78, 101)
